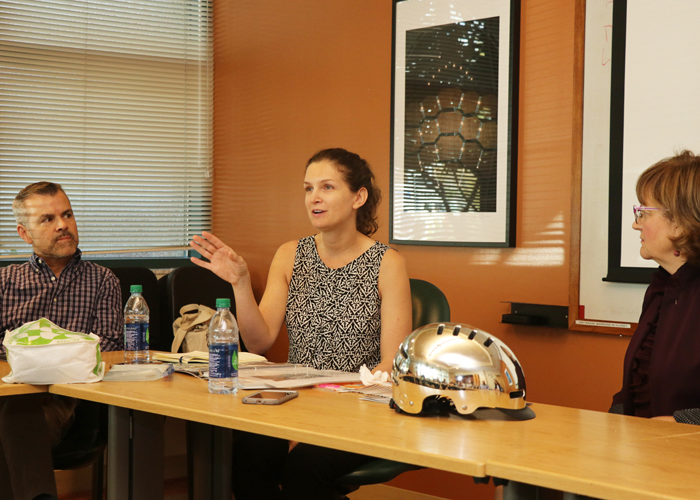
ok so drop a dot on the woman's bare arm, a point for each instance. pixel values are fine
(259, 325)
(395, 291)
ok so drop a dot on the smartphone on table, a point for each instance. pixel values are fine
(270, 397)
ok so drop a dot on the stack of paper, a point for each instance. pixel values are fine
(285, 376)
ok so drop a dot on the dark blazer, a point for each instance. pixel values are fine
(674, 372)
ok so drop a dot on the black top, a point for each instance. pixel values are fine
(672, 310)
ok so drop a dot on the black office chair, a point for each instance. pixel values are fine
(194, 285)
(143, 276)
(429, 305)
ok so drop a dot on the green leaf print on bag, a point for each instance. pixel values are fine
(44, 332)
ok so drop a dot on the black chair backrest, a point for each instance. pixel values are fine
(194, 285)
(429, 304)
(143, 276)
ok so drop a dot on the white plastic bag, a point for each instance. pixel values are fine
(40, 352)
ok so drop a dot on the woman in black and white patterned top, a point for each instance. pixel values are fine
(343, 329)
(346, 301)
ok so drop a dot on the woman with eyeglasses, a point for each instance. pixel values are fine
(662, 365)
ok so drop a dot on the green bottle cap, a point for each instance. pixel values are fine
(136, 289)
(223, 303)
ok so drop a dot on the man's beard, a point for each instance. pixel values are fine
(56, 249)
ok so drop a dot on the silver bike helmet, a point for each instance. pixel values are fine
(456, 365)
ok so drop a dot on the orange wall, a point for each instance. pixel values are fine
(295, 77)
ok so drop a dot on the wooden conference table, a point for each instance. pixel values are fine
(592, 453)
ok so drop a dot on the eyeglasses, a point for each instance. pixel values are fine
(639, 211)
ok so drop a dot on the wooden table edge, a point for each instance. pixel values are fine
(572, 484)
(474, 469)
(19, 389)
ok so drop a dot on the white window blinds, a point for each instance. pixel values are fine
(113, 100)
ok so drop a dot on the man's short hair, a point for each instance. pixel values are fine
(42, 188)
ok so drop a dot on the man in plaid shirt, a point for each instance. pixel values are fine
(77, 295)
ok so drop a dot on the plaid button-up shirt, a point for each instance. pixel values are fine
(84, 298)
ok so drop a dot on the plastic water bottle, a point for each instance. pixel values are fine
(223, 350)
(136, 335)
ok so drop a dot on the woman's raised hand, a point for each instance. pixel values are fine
(223, 261)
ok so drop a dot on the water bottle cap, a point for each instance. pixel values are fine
(136, 288)
(223, 303)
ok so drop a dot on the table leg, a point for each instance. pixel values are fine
(135, 455)
(223, 462)
(520, 491)
(147, 456)
(574, 496)
(118, 463)
(209, 450)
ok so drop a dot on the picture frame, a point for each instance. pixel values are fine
(454, 122)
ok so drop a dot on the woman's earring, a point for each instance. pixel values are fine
(677, 253)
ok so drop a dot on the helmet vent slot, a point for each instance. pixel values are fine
(440, 329)
(472, 334)
(488, 342)
(456, 330)
(517, 394)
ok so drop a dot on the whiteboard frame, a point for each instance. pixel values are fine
(602, 301)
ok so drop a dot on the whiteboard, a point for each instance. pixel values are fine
(661, 116)
(661, 103)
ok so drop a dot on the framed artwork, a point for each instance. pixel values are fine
(454, 122)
